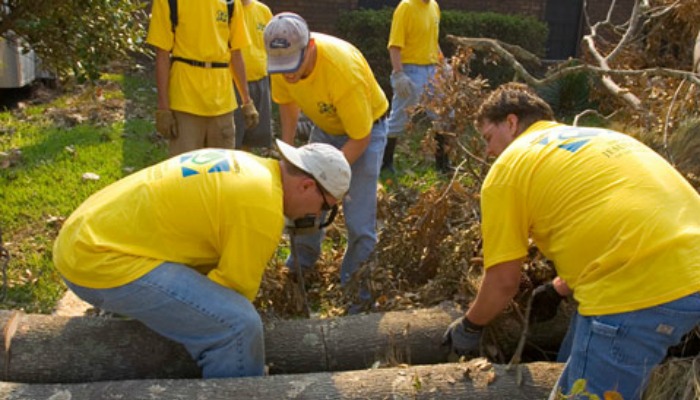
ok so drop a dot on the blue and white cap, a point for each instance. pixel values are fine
(286, 37)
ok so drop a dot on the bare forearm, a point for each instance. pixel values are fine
(163, 78)
(395, 57)
(354, 148)
(289, 116)
(239, 77)
(499, 286)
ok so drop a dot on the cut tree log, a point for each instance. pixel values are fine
(52, 349)
(473, 380)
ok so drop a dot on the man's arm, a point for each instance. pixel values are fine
(500, 284)
(239, 76)
(354, 148)
(289, 117)
(395, 57)
(163, 78)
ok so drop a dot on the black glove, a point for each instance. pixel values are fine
(545, 303)
(463, 337)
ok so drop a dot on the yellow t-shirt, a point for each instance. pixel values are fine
(414, 28)
(341, 95)
(621, 225)
(218, 211)
(256, 15)
(202, 34)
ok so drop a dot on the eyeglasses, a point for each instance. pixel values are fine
(325, 207)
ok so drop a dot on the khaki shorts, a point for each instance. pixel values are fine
(196, 132)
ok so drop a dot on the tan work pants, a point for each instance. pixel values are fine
(196, 132)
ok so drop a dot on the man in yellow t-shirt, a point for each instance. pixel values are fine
(198, 59)
(414, 51)
(621, 225)
(256, 15)
(330, 81)
(182, 245)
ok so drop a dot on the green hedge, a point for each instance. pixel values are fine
(369, 31)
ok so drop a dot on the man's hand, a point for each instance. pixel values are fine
(165, 124)
(250, 114)
(402, 85)
(545, 303)
(463, 337)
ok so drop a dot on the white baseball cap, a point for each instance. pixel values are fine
(324, 162)
(286, 37)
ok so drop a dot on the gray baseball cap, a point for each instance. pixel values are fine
(286, 37)
(324, 162)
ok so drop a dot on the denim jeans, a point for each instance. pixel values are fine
(261, 134)
(220, 328)
(359, 205)
(618, 351)
(420, 76)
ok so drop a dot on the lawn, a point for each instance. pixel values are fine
(58, 150)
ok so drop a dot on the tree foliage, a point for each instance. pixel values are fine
(76, 37)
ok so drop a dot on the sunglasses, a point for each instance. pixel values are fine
(325, 207)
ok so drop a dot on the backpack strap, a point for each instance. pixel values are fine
(229, 7)
(173, 12)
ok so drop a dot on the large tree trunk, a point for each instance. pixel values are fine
(476, 379)
(51, 349)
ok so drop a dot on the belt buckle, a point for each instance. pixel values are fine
(207, 64)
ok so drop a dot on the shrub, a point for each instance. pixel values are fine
(369, 30)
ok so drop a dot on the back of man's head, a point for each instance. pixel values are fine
(514, 98)
(323, 162)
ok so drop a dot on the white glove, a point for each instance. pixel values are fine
(402, 85)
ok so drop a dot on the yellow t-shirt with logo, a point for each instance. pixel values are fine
(341, 95)
(256, 15)
(414, 28)
(621, 225)
(218, 211)
(203, 34)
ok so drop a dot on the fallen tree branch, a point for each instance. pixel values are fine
(473, 380)
(52, 349)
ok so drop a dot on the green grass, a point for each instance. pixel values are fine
(112, 136)
(47, 182)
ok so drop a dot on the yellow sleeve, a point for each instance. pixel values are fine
(505, 224)
(279, 89)
(239, 37)
(355, 110)
(243, 261)
(160, 33)
(397, 36)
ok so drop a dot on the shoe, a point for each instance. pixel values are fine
(388, 158)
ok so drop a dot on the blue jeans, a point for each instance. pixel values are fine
(359, 205)
(260, 136)
(420, 76)
(220, 328)
(618, 351)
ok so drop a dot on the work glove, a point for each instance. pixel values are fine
(545, 303)
(250, 114)
(402, 85)
(463, 337)
(165, 124)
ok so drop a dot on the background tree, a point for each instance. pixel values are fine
(76, 37)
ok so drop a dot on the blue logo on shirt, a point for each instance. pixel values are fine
(206, 160)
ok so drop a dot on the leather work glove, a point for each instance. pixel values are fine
(250, 114)
(165, 124)
(401, 84)
(545, 303)
(463, 337)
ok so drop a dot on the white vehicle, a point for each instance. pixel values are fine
(18, 64)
